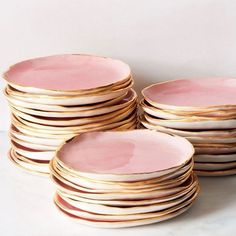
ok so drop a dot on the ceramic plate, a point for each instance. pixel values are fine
(214, 166)
(215, 158)
(129, 99)
(69, 100)
(29, 167)
(135, 146)
(116, 210)
(216, 172)
(231, 133)
(59, 108)
(66, 73)
(192, 124)
(120, 195)
(192, 95)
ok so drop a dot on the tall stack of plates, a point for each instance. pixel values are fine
(54, 98)
(121, 179)
(204, 112)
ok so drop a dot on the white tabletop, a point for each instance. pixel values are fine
(26, 208)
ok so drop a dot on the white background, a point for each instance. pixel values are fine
(160, 39)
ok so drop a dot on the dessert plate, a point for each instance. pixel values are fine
(134, 146)
(66, 73)
(193, 95)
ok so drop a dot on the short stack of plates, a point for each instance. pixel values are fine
(204, 112)
(55, 98)
(118, 179)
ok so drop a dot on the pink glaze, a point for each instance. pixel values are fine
(68, 72)
(195, 92)
(136, 151)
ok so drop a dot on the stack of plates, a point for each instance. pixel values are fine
(120, 179)
(54, 98)
(204, 112)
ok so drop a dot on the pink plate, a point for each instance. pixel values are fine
(68, 72)
(203, 92)
(124, 153)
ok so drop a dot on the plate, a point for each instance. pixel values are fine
(62, 73)
(193, 95)
(133, 146)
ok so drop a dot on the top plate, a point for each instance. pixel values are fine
(68, 72)
(199, 93)
(124, 153)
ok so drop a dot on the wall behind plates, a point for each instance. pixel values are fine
(160, 39)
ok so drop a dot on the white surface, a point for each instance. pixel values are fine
(26, 208)
(160, 39)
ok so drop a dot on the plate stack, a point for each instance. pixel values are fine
(204, 112)
(124, 178)
(54, 98)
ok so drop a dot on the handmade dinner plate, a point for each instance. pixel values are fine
(168, 214)
(69, 100)
(66, 73)
(117, 210)
(54, 142)
(220, 113)
(162, 182)
(215, 148)
(214, 166)
(69, 133)
(59, 108)
(224, 134)
(75, 121)
(126, 154)
(32, 153)
(193, 95)
(125, 189)
(119, 116)
(85, 214)
(28, 166)
(224, 158)
(128, 100)
(189, 124)
(125, 203)
(31, 145)
(163, 114)
(147, 185)
(121, 195)
(212, 173)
